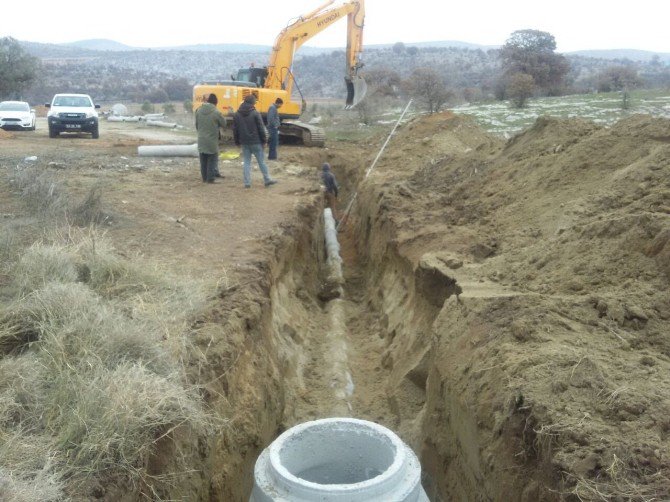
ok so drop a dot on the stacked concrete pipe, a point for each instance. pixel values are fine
(338, 460)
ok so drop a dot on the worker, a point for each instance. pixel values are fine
(249, 132)
(273, 128)
(331, 189)
(208, 120)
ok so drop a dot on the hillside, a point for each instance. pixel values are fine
(134, 74)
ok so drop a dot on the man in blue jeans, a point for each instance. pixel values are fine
(249, 131)
(273, 128)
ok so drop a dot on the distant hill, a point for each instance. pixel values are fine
(99, 44)
(88, 47)
(124, 73)
(448, 43)
(111, 45)
(630, 54)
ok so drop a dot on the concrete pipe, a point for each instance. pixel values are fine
(168, 150)
(334, 261)
(158, 123)
(338, 460)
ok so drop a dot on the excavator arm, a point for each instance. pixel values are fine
(280, 67)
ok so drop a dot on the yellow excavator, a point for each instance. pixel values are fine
(277, 79)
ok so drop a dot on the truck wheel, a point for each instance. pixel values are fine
(95, 134)
(52, 132)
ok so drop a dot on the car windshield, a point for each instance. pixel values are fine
(14, 107)
(75, 101)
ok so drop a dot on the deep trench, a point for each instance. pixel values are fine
(286, 369)
(346, 354)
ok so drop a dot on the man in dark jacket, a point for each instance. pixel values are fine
(249, 131)
(273, 128)
(331, 189)
(207, 122)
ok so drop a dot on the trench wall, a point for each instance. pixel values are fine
(475, 440)
(247, 359)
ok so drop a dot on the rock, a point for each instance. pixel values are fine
(635, 312)
(585, 374)
(482, 251)
(450, 260)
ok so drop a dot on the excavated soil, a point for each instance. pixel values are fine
(505, 306)
(545, 261)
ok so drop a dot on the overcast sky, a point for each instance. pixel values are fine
(576, 24)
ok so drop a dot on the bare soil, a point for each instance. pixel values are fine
(506, 307)
(548, 374)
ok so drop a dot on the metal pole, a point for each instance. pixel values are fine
(372, 166)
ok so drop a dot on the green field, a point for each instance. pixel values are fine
(606, 108)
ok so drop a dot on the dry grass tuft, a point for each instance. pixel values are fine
(89, 211)
(42, 193)
(42, 487)
(47, 198)
(619, 482)
(92, 375)
(42, 264)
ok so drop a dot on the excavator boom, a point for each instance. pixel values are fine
(280, 68)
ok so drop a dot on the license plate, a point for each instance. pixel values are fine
(72, 126)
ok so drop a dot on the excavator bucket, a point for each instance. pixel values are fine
(356, 89)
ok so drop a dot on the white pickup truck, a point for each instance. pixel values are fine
(72, 113)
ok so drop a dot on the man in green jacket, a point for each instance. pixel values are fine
(208, 120)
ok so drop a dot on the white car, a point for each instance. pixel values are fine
(17, 115)
(72, 113)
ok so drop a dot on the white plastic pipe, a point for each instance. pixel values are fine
(338, 460)
(168, 150)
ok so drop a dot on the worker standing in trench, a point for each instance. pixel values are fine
(331, 189)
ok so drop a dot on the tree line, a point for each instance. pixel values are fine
(526, 65)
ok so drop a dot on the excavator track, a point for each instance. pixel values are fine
(307, 134)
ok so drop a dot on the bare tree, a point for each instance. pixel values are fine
(520, 87)
(427, 87)
(383, 81)
(618, 78)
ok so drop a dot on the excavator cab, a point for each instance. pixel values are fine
(356, 90)
(252, 75)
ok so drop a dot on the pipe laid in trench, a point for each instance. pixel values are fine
(168, 150)
(338, 459)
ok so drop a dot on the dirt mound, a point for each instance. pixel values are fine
(5, 134)
(555, 359)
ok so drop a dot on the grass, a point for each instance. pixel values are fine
(91, 373)
(46, 197)
(605, 108)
